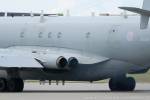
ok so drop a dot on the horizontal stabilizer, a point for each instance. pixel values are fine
(136, 10)
(145, 14)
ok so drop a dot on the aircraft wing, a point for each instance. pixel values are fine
(29, 57)
(16, 59)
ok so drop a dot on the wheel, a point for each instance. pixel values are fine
(122, 84)
(20, 84)
(15, 85)
(129, 84)
(3, 85)
(115, 84)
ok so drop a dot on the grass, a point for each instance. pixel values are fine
(143, 78)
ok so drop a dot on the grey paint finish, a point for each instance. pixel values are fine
(112, 37)
(118, 39)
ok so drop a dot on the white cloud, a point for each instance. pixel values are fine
(66, 4)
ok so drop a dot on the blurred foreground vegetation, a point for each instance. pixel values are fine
(143, 78)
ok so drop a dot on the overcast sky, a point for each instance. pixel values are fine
(76, 7)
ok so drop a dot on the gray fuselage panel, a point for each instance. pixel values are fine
(113, 36)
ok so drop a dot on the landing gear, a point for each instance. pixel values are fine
(15, 85)
(3, 85)
(122, 84)
(11, 85)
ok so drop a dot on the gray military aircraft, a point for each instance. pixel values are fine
(75, 49)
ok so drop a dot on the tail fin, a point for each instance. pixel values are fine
(145, 18)
(146, 4)
(144, 12)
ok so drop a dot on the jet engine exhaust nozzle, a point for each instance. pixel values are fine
(61, 62)
(72, 61)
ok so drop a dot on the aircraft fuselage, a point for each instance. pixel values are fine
(112, 37)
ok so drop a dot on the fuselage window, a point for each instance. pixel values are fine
(88, 35)
(49, 35)
(114, 30)
(22, 34)
(40, 35)
(59, 35)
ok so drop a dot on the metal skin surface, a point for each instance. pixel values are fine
(75, 49)
(104, 46)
